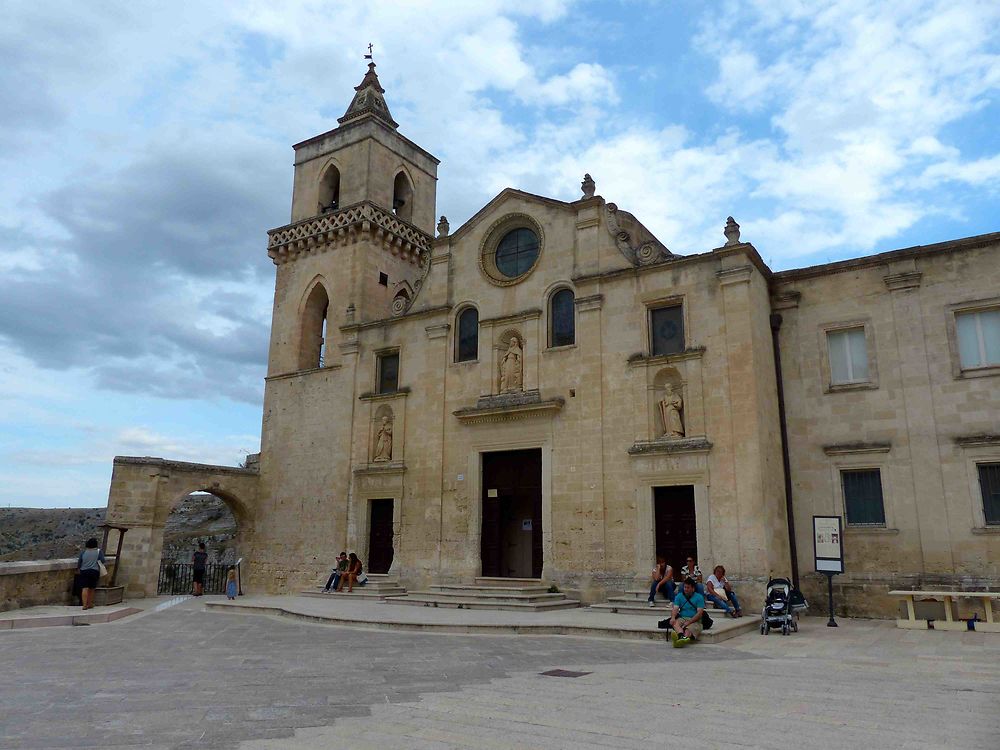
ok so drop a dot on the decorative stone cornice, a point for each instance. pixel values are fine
(670, 445)
(788, 300)
(905, 280)
(437, 331)
(380, 468)
(978, 441)
(592, 302)
(508, 407)
(736, 275)
(360, 221)
(647, 360)
(844, 449)
(532, 313)
(398, 393)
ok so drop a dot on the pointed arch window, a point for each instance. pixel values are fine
(329, 190)
(467, 336)
(562, 318)
(402, 197)
(312, 343)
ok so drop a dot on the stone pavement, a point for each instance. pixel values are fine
(186, 677)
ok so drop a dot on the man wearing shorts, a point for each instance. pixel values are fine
(689, 606)
(199, 560)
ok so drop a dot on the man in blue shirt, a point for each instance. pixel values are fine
(685, 621)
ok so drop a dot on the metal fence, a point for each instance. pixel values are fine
(178, 578)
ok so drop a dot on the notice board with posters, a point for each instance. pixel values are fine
(828, 544)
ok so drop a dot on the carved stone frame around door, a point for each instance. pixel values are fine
(375, 482)
(518, 435)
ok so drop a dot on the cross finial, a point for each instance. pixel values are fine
(369, 55)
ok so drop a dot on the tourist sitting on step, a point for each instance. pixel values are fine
(719, 591)
(663, 581)
(691, 570)
(685, 621)
(353, 574)
(334, 580)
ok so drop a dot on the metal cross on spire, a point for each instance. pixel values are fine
(369, 55)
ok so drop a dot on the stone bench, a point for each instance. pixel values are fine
(949, 623)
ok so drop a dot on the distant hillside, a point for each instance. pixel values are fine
(50, 533)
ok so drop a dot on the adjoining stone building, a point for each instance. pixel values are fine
(549, 392)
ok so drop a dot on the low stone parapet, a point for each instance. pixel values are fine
(34, 582)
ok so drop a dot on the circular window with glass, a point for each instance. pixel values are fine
(510, 249)
(517, 252)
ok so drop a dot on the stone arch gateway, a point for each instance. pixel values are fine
(143, 492)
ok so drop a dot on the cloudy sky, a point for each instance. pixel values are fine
(145, 150)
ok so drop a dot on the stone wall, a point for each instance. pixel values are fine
(28, 584)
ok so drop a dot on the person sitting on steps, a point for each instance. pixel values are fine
(663, 581)
(685, 622)
(351, 575)
(719, 590)
(334, 580)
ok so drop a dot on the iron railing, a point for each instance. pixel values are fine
(178, 578)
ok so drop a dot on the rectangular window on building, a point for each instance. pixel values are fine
(863, 497)
(848, 356)
(388, 372)
(989, 482)
(666, 329)
(978, 338)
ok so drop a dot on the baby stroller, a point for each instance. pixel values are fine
(782, 607)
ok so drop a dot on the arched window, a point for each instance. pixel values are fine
(467, 336)
(402, 197)
(329, 190)
(314, 329)
(562, 318)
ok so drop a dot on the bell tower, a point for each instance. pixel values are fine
(365, 159)
(358, 245)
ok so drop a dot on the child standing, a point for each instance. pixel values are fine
(231, 589)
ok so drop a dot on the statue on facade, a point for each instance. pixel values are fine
(511, 368)
(671, 409)
(383, 441)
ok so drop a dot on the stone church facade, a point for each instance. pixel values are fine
(547, 391)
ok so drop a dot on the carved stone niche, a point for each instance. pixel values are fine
(668, 406)
(384, 442)
(509, 357)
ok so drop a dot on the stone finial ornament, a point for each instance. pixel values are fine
(349, 314)
(732, 232)
(443, 226)
(588, 186)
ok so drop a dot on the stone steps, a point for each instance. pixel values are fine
(618, 605)
(380, 586)
(513, 594)
(426, 599)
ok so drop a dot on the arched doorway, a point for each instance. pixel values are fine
(199, 518)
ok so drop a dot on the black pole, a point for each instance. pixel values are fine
(785, 459)
(829, 585)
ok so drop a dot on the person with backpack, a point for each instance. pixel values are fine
(686, 621)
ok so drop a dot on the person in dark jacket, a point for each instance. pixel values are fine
(88, 567)
(199, 561)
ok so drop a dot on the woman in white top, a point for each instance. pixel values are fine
(719, 590)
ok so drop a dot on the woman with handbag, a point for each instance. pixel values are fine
(353, 573)
(90, 566)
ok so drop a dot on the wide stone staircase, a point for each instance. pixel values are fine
(633, 602)
(380, 586)
(513, 594)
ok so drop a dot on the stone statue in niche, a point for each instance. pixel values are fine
(383, 441)
(671, 412)
(511, 368)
